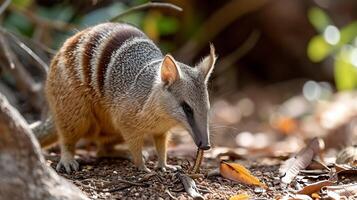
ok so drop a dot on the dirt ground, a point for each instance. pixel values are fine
(106, 178)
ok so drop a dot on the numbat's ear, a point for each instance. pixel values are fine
(207, 64)
(169, 70)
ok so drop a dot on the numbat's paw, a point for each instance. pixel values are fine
(144, 168)
(169, 167)
(68, 164)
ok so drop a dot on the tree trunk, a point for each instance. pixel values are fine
(23, 171)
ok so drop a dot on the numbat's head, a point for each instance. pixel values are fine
(185, 96)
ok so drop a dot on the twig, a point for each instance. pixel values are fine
(190, 186)
(203, 189)
(131, 183)
(22, 45)
(167, 191)
(24, 81)
(146, 6)
(198, 161)
(117, 189)
(223, 17)
(4, 6)
(7, 51)
(178, 189)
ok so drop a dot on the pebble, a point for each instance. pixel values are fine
(258, 190)
(258, 173)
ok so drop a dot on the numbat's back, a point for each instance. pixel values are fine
(112, 84)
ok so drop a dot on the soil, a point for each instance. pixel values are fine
(112, 178)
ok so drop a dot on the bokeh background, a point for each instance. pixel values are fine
(287, 69)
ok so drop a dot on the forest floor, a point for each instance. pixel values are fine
(260, 143)
(106, 178)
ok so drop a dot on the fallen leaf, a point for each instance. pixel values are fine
(348, 190)
(237, 172)
(315, 196)
(314, 187)
(190, 186)
(291, 167)
(347, 173)
(239, 197)
(317, 165)
(300, 197)
(339, 167)
(285, 125)
(347, 156)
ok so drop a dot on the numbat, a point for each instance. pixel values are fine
(111, 84)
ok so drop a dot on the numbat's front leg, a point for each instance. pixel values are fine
(67, 157)
(161, 148)
(135, 145)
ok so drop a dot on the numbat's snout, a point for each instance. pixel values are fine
(112, 84)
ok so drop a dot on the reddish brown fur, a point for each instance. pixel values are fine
(79, 112)
(87, 56)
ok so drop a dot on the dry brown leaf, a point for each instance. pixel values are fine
(316, 164)
(347, 173)
(237, 172)
(239, 197)
(285, 125)
(340, 168)
(348, 191)
(291, 167)
(315, 187)
(300, 197)
(347, 155)
(315, 196)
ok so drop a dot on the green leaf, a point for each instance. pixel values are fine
(318, 49)
(348, 33)
(318, 18)
(58, 12)
(19, 24)
(345, 72)
(167, 25)
(21, 4)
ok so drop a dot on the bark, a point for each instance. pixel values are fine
(23, 171)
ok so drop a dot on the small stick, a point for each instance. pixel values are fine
(29, 51)
(131, 183)
(167, 191)
(145, 6)
(198, 161)
(190, 186)
(4, 6)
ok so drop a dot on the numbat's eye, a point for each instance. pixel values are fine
(187, 109)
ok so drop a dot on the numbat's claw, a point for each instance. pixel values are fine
(169, 167)
(68, 165)
(144, 169)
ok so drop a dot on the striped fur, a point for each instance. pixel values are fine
(108, 83)
(88, 54)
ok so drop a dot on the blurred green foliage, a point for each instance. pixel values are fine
(153, 22)
(339, 43)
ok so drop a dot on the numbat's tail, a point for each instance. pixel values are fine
(45, 132)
